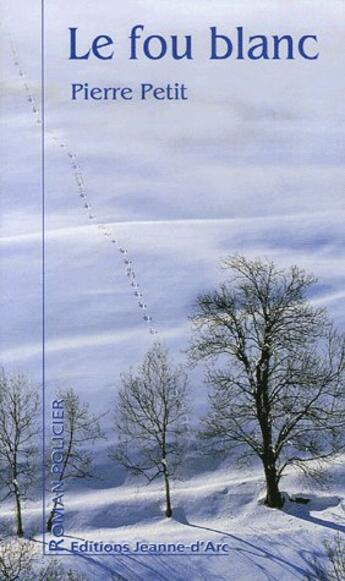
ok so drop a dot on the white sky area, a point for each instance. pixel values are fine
(251, 163)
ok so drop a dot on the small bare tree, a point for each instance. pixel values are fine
(334, 568)
(21, 560)
(149, 419)
(277, 369)
(19, 406)
(56, 571)
(81, 429)
(17, 559)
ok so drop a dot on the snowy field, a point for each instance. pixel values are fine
(222, 506)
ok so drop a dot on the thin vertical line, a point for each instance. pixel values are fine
(43, 270)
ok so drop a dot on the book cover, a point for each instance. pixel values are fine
(172, 400)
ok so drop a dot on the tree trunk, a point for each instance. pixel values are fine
(51, 517)
(168, 510)
(50, 520)
(273, 496)
(20, 531)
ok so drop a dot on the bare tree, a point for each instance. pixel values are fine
(334, 568)
(18, 433)
(81, 429)
(149, 419)
(277, 369)
(56, 571)
(21, 560)
(16, 559)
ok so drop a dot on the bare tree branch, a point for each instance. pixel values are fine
(277, 368)
(149, 416)
(18, 434)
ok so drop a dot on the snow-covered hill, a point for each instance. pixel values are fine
(221, 506)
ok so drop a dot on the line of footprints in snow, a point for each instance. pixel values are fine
(103, 228)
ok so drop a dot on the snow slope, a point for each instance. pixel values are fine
(222, 506)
